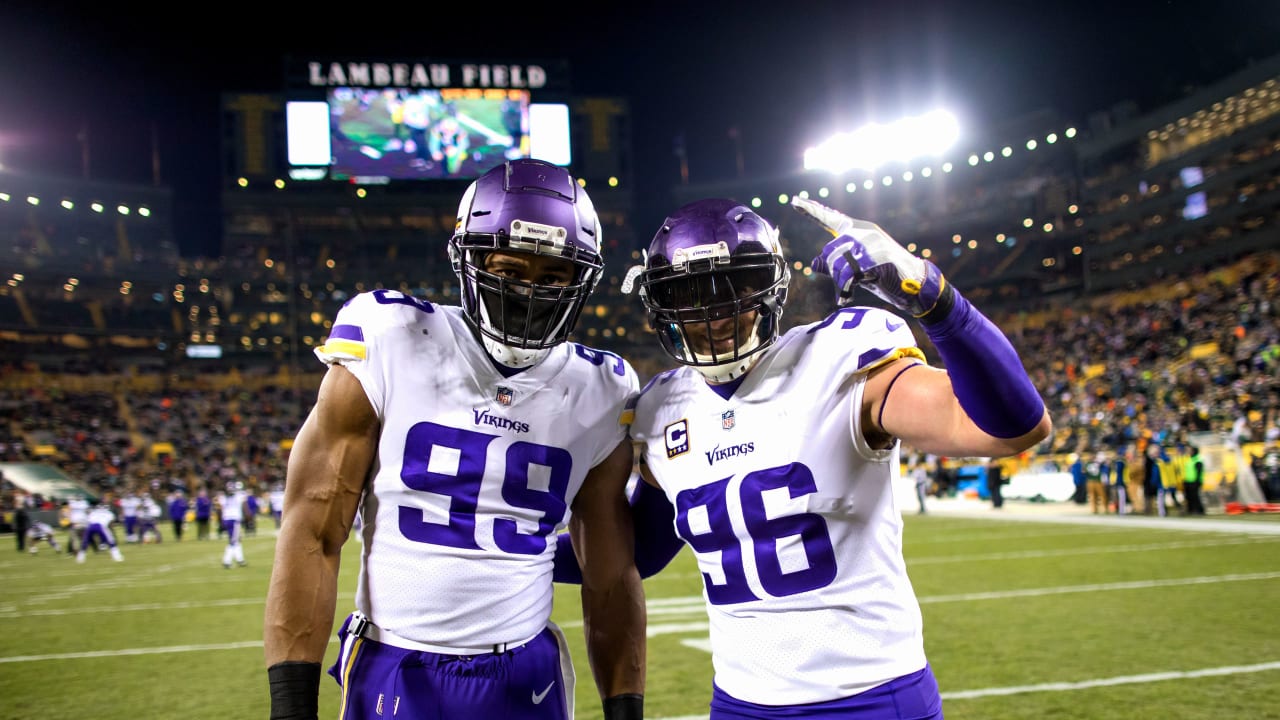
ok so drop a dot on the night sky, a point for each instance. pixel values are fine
(785, 78)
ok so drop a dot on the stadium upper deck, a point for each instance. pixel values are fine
(1127, 200)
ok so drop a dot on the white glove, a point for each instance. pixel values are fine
(862, 253)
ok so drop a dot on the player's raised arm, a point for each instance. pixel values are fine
(983, 403)
(327, 469)
(613, 606)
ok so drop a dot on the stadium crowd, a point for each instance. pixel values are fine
(1120, 372)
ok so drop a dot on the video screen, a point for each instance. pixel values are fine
(412, 134)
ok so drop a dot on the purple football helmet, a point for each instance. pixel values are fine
(714, 283)
(525, 206)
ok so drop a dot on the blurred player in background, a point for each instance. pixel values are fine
(276, 500)
(77, 518)
(97, 529)
(463, 437)
(176, 506)
(449, 144)
(250, 520)
(149, 514)
(780, 454)
(40, 531)
(233, 503)
(129, 505)
(203, 512)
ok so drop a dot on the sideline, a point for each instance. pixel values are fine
(1079, 514)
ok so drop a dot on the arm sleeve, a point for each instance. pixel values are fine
(656, 541)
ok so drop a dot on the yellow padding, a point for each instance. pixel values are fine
(351, 348)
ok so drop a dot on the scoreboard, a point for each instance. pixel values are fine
(406, 122)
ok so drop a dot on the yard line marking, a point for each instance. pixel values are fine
(11, 612)
(132, 608)
(693, 604)
(132, 651)
(686, 605)
(1083, 684)
(952, 537)
(1029, 554)
(673, 628)
(138, 651)
(1211, 524)
(1129, 585)
(1108, 682)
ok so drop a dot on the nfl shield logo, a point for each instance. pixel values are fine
(726, 420)
(505, 394)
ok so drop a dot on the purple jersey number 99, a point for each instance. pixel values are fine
(463, 488)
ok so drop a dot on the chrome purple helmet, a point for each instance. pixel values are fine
(711, 261)
(534, 207)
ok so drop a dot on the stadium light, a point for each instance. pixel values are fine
(875, 145)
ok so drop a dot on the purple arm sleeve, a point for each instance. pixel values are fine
(986, 372)
(655, 537)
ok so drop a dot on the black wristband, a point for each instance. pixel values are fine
(629, 706)
(295, 690)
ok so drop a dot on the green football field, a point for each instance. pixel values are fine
(1024, 618)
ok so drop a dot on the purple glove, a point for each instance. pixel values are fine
(863, 254)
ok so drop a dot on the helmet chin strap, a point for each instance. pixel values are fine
(728, 372)
(504, 354)
(510, 356)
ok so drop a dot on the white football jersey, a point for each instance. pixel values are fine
(233, 506)
(100, 515)
(790, 514)
(129, 505)
(77, 511)
(475, 472)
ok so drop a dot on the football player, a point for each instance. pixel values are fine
(77, 516)
(129, 505)
(41, 531)
(463, 437)
(779, 454)
(97, 529)
(233, 510)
